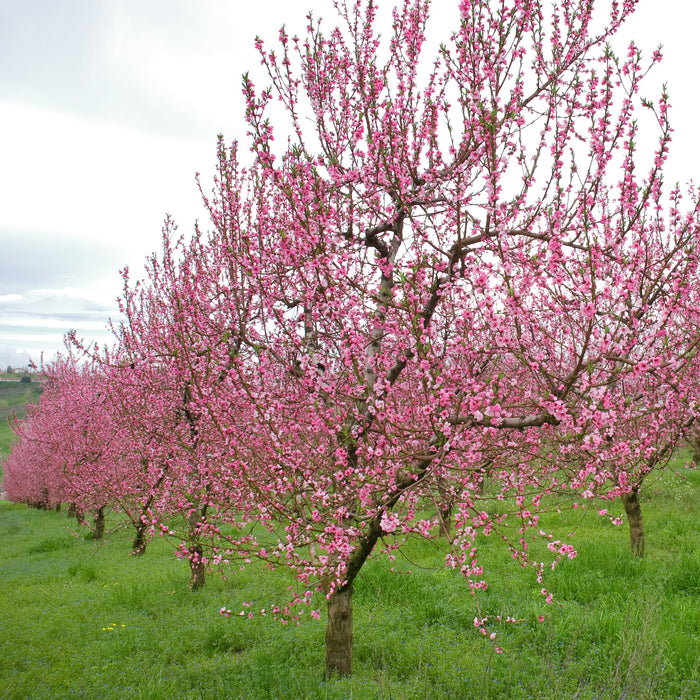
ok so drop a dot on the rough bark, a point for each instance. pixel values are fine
(634, 517)
(339, 628)
(139, 543)
(444, 507)
(196, 551)
(99, 524)
(339, 633)
(75, 512)
(446, 520)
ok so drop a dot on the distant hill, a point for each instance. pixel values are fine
(14, 395)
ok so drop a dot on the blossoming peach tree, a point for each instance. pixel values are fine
(454, 278)
(66, 450)
(453, 271)
(161, 357)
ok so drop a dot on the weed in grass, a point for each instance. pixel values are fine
(137, 595)
(685, 576)
(51, 544)
(84, 572)
(221, 639)
(161, 687)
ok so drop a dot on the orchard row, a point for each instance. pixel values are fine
(457, 293)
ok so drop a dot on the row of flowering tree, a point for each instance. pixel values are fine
(458, 280)
(64, 449)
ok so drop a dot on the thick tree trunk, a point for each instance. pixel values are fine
(339, 630)
(339, 633)
(99, 524)
(634, 516)
(139, 543)
(75, 512)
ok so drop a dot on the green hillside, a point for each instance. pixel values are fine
(14, 395)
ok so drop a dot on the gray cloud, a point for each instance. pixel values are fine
(36, 322)
(51, 283)
(36, 259)
(65, 307)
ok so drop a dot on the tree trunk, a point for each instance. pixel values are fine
(446, 520)
(139, 543)
(339, 629)
(196, 551)
(634, 516)
(196, 567)
(696, 449)
(75, 512)
(99, 524)
(444, 508)
(339, 633)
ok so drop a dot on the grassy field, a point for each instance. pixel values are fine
(84, 619)
(13, 396)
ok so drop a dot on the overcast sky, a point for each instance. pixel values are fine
(108, 108)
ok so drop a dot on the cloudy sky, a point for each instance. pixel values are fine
(108, 108)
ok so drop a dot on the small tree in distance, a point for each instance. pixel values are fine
(433, 283)
(66, 451)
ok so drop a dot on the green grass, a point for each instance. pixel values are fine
(13, 397)
(80, 619)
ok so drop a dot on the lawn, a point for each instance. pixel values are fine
(84, 619)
